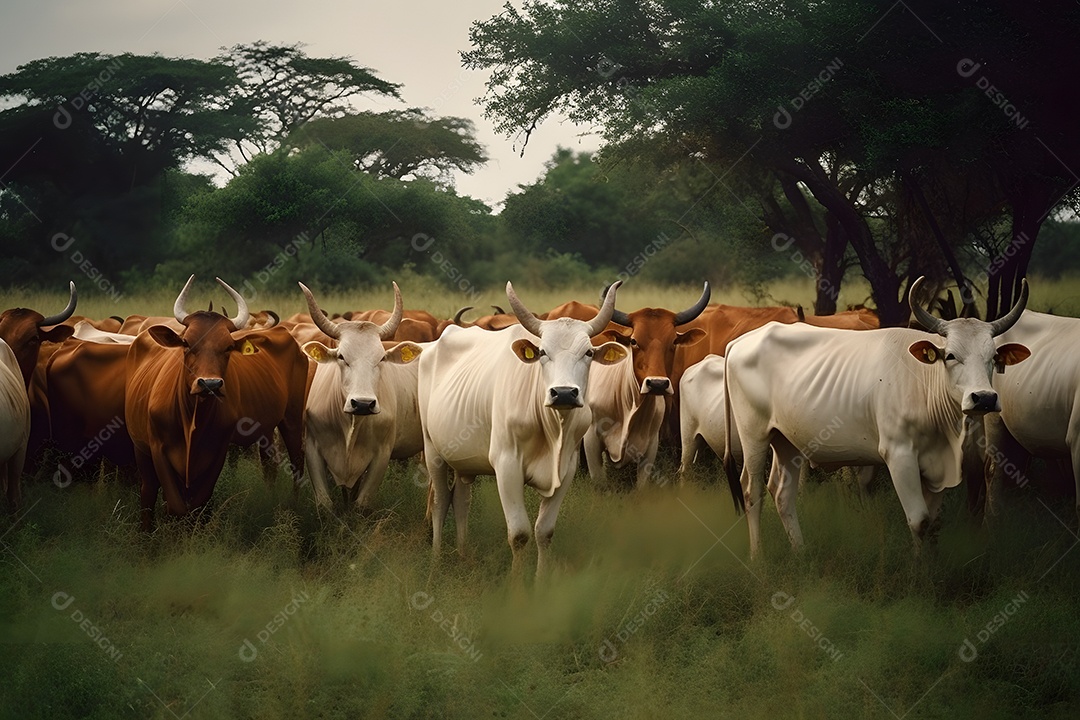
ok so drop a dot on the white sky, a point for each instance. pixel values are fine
(411, 42)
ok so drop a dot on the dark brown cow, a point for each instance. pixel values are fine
(24, 331)
(190, 394)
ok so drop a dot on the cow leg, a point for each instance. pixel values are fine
(788, 463)
(545, 526)
(317, 470)
(1074, 447)
(1004, 458)
(148, 492)
(753, 483)
(13, 470)
(511, 482)
(864, 475)
(691, 446)
(594, 455)
(647, 462)
(438, 478)
(904, 469)
(373, 478)
(933, 502)
(462, 498)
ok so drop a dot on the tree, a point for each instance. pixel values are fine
(399, 144)
(284, 88)
(791, 90)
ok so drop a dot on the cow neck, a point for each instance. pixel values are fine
(946, 416)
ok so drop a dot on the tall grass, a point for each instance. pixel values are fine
(653, 609)
(1061, 296)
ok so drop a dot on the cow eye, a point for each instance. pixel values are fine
(590, 352)
(633, 341)
(949, 357)
(542, 353)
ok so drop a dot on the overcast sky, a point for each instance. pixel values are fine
(412, 42)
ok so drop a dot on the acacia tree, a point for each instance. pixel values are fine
(787, 89)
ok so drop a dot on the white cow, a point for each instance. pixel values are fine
(888, 396)
(1040, 400)
(362, 407)
(506, 405)
(86, 331)
(703, 421)
(14, 425)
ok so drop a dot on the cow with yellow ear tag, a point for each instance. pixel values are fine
(513, 404)
(362, 407)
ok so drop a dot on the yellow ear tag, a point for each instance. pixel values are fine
(931, 355)
(529, 354)
(407, 353)
(247, 348)
(611, 355)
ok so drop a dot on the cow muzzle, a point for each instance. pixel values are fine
(982, 402)
(656, 386)
(207, 386)
(362, 406)
(564, 397)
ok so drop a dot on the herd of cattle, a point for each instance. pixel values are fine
(517, 395)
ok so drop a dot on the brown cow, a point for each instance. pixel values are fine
(23, 331)
(628, 400)
(190, 394)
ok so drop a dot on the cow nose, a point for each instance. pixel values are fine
(210, 385)
(984, 401)
(657, 385)
(362, 406)
(564, 397)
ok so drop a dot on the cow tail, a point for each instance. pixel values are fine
(730, 469)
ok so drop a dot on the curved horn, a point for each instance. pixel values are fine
(318, 317)
(997, 327)
(617, 316)
(388, 328)
(459, 313)
(63, 314)
(242, 314)
(528, 321)
(178, 310)
(800, 313)
(696, 309)
(928, 321)
(498, 310)
(600, 322)
(274, 319)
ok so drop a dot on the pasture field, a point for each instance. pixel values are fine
(1061, 296)
(265, 609)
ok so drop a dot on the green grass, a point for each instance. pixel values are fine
(708, 640)
(419, 292)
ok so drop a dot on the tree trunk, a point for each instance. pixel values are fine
(966, 295)
(831, 273)
(1031, 204)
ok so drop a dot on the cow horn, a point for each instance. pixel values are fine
(274, 319)
(178, 310)
(928, 321)
(699, 307)
(498, 310)
(459, 313)
(242, 314)
(388, 328)
(528, 321)
(800, 313)
(599, 323)
(1002, 324)
(63, 314)
(328, 326)
(617, 316)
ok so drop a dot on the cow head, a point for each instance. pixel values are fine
(208, 340)
(24, 331)
(652, 337)
(969, 354)
(359, 353)
(564, 351)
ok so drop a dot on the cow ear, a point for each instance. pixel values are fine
(319, 352)
(620, 336)
(609, 353)
(403, 353)
(926, 352)
(58, 334)
(1010, 354)
(690, 337)
(165, 336)
(526, 351)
